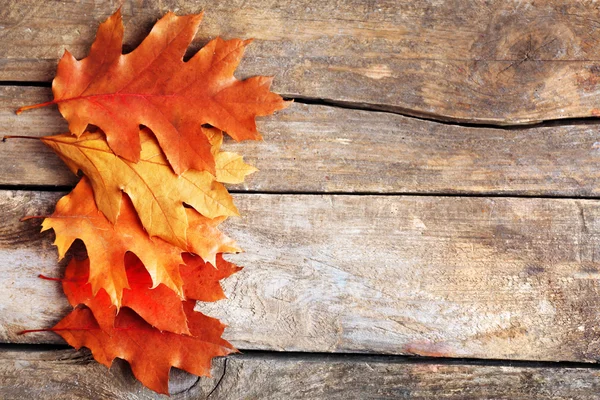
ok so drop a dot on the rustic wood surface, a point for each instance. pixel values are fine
(67, 374)
(500, 278)
(501, 61)
(377, 259)
(310, 148)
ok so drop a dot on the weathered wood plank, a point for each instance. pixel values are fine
(67, 374)
(70, 374)
(310, 148)
(500, 62)
(504, 278)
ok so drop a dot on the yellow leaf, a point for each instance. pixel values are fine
(156, 192)
(231, 168)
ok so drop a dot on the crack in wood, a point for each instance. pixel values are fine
(410, 113)
(220, 379)
(440, 119)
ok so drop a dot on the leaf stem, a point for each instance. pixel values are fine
(34, 330)
(49, 278)
(25, 108)
(19, 137)
(54, 330)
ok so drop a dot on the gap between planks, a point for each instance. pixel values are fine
(350, 357)
(491, 195)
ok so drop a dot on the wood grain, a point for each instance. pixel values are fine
(311, 148)
(502, 278)
(504, 62)
(67, 374)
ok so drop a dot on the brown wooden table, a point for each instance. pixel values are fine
(425, 223)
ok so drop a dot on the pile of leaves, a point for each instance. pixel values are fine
(146, 130)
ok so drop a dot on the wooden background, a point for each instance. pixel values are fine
(425, 223)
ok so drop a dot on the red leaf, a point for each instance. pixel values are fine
(152, 86)
(201, 280)
(160, 307)
(150, 352)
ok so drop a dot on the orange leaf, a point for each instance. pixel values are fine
(201, 280)
(160, 307)
(152, 86)
(205, 239)
(155, 191)
(151, 361)
(77, 217)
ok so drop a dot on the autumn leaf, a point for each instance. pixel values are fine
(205, 239)
(230, 167)
(202, 281)
(77, 217)
(160, 306)
(154, 87)
(156, 192)
(151, 362)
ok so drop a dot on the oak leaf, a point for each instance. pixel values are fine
(77, 217)
(156, 192)
(159, 306)
(154, 87)
(202, 281)
(230, 167)
(160, 351)
(205, 239)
